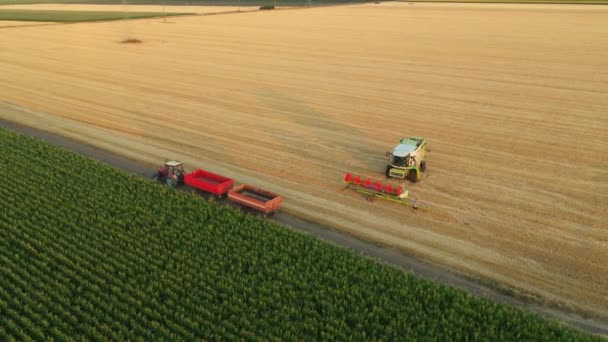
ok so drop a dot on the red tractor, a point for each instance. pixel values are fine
(171, 173)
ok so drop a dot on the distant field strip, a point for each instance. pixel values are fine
(75, 16)
(211, 3)
(131, 8)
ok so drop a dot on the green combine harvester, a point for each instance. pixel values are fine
(407, 159)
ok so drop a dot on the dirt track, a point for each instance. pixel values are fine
(513, 101)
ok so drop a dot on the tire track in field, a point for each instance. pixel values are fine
(325, 138)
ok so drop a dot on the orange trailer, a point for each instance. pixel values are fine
(264, 201)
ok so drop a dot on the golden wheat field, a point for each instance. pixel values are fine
(512, 99)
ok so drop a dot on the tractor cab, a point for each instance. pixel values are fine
(171, 173)
(173, 168)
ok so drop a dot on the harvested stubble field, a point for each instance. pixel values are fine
(512, 99)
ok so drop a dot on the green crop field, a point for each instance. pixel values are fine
(74, 16)
(91, 252)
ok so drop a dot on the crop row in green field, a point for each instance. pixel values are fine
(88, 251)
(74, 16)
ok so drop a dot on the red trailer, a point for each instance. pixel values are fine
(209, 182)
(255, 198)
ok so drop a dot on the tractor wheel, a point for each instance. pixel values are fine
(170, 182)
(413, 176)
(387, 173)
(155, 177)
(423, 166)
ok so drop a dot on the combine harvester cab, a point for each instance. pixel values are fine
(263, 201)
(407, 159)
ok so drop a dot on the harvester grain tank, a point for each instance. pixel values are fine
(407, 159)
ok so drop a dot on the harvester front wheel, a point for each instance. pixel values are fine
(423, 166)
(413, 175)
(387, 173)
